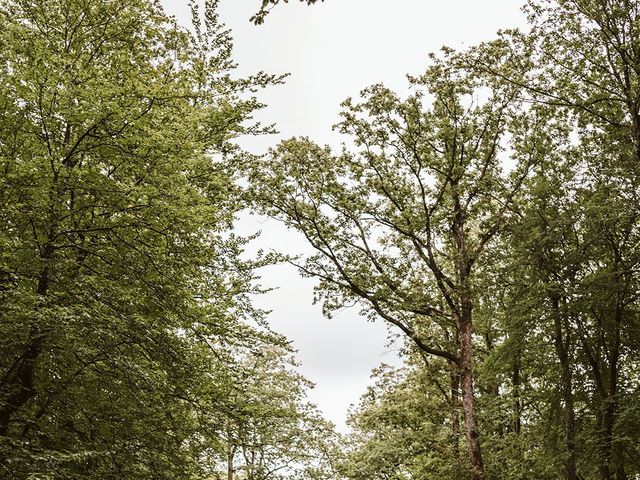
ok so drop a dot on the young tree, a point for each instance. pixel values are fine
(275, 432)
(401, 427)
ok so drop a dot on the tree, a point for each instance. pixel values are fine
(581, 56)
(120, 282)
(275, 433)
(402, 224)
(401, 427)
(555, 320)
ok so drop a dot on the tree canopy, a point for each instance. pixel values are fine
(125, 315)
(491, 218)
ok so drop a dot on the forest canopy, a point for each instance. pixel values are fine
(491, 218)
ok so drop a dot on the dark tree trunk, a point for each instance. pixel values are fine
(454, 379)
(561, 342)
(621, 473)
(468, 401)
(612, 455)
(17, 386)
(230, 455)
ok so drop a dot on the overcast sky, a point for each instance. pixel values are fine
(333, 50)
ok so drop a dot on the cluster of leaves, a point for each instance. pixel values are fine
(267, 5)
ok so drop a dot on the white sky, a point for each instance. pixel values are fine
(333, 50)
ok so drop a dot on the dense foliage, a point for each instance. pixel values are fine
(491, 218)
(125, 323)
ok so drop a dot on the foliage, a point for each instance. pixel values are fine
(401, 226)
(125, 312)
(278, 434)
(491, 218)
(499, 204)
(266, 7)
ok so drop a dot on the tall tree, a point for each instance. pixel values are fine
(401, 224)
(119, 279)
(560, 318)
(583, 56)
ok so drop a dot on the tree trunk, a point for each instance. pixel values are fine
(465, 327)
(230, 455)
(617, 451)
(454, 378)
(454, 393)
(468, 402)
(17, 386)
(621, 473)
(612, 458)
(561, 343)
